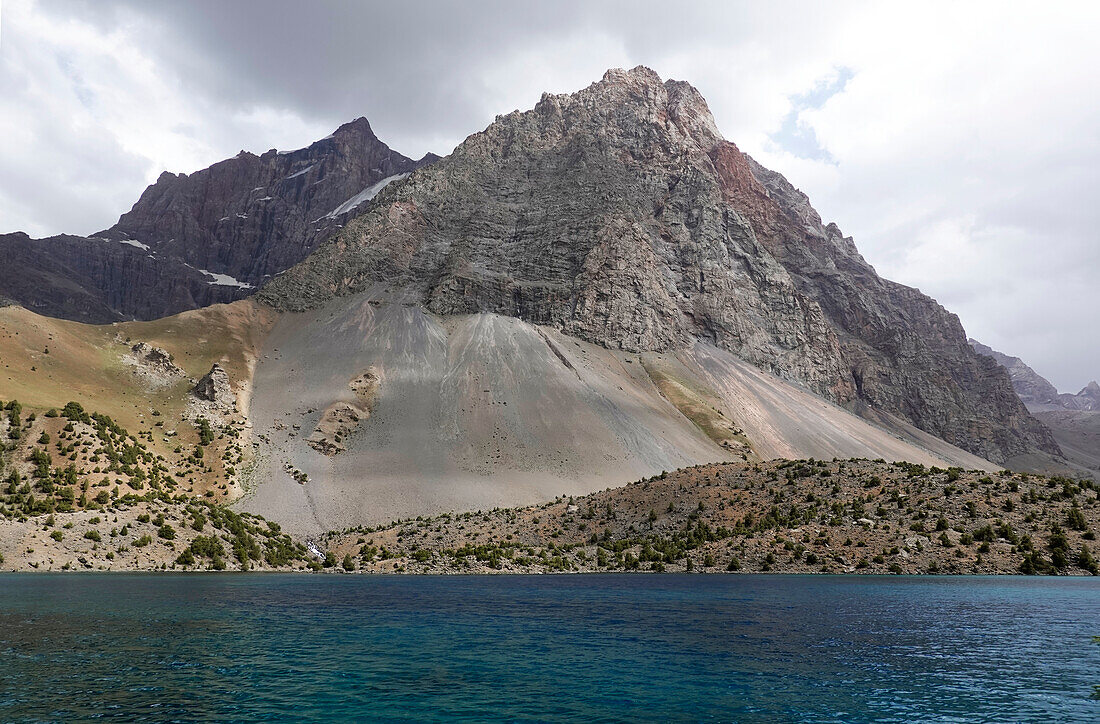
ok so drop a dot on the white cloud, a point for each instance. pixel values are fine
(90, 118)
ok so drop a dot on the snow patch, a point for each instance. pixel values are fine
(224, 280)
(134, 242)
(307, 169)
(365, 195)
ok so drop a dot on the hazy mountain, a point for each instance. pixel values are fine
(1035, 391)
(1073, 419)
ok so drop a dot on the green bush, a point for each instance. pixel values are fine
(207, 546)
(1087, 562)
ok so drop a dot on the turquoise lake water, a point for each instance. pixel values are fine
(547, 648)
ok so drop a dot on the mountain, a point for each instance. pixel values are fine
(620, 216)
(1031, 387)
(1074, 420)
(208, 237)
(1087, 399)
(1035, 391)
(594, 291)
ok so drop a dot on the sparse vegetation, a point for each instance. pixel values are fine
(803, 515)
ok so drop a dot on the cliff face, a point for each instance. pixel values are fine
(209, 237)
(252, 216)
(97, 281)
(621, 216)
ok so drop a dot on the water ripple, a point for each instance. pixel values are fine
(547, 648)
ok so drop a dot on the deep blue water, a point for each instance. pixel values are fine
(547, 648)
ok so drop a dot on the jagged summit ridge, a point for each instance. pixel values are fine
(621, 216)
(196, 239)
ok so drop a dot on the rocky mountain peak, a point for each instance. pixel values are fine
(355, 134)
(212, 236)
(619, 215)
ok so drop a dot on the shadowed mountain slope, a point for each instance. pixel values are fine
(211, 236)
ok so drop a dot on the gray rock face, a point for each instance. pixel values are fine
(155, 359)
(1087, 399)
(214, 387)
(619, 215)
(241, 221)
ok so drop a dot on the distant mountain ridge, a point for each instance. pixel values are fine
(211, 236)
(1035, 390)
(1074, 420)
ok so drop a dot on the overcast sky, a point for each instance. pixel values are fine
(958, 143)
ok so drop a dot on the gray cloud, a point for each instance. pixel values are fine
(956, 143)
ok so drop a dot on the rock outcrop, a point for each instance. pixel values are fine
(214, 387)
(342, 418)
(153, 364)
(620, 215)
(208, 237)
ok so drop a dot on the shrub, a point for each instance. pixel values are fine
(1075, 519)
(1087, 562)
(93, 535)
(206, 546)
(206, 433)
(166, 532)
